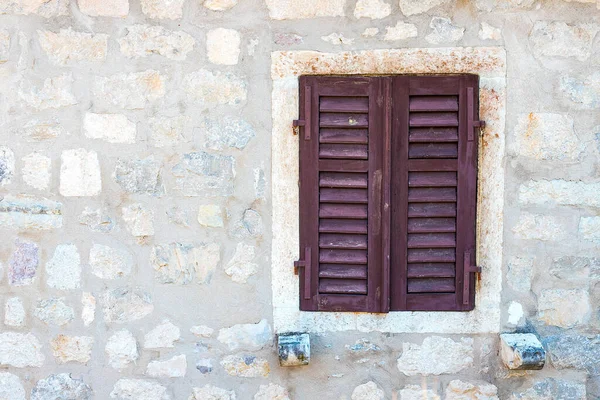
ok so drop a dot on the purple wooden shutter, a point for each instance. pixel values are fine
(434, 176)
(344, 172)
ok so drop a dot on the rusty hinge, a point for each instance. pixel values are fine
(297, 124)
(468, 270)
(307, 115)
(306, 264)
(471, 122)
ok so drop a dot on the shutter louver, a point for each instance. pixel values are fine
(342, 172)
(433, 205)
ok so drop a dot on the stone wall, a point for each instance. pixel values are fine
(135, 201)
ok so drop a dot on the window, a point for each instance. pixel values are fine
(388, 175)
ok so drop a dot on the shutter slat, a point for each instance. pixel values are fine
(344, 104)
(431, 255)
(348, 136)
(431, 225)
(431, 270)
(433, 150)
(329, 256)
(342, 286)
(343, 180)
(434, 103)
(433, 134)
(346, 151)
(343, 165)
(341, 271)
(343, 211)
(343, 226)
(342, 120)
(431, 195)
(431, 210)
(431, 285)
(426, 240)
(432, 165)
(431, 179)
(421, 119)
(344, 196)
(340, 241)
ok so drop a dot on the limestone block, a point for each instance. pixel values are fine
(220, 5)
(520, 272)
(20, 350)
(459, 390)
(215, 87)
(489, 32)
(110, 263)
(372, 32)
(23, 264)
(68, 46)
(43, 8)
(121, 349)
(539, 227)
(167, 131)
(416, 392)
(112, 128)
(131, 91)
(300, 9)
(54, 311)
(411, 7)
(144, 40)
(205, 174)
(272, 392)
(575, 269)
(182, 263)
(163, 336)
(242, 265)
(583, 91)
(444, 31)
(246, 366)
(250, 225)
(564, 308)
(374, 9)
(213, 393)
(436, 356)
(551, 388)
(25, 212)
(210, 215)
(589, 229)
(246, 336)
(123, 305)
(35, 170)
(522, 351)
(558, 191)
(503, 5)
(223, 46)
(4, 45)
(140, 176)
(368, 391)
(88, 308)
(559, 39)
(14, 312)
(104, 8)
(574, 352)
(97, 220)
(80, 173)
(337, 39)
(63, 270)
(202, 331)
(401, 31)
(72, 348)
(293, 349)
(174, 367)
(139, 389)
(11, 387)
(56, 92)
(227, 132)
(38, 131)
(7, 165)
(139, 219)
(61, 386)
(163, 9)
(178, 216)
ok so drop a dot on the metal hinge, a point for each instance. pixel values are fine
(468, 270)
(471, 122)
(297, 124)
(306, 265)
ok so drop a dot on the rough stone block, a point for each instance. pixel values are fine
(220, 5)
(54, 311)
(182, 263)
(130, 91)
(410, 7)
(241, 266)
(43, 8)
(589, 229)
(61, 386)
(63, 270)
(503, 5)
(163, 336)
(109, 263)
(246, 336)
(210, 215)
(522, 351)
(121, 349)
(123, 305)
(24, 212)
(14, 312)
(459, 390)
(574, 352)
(300, 9)
(546, 136)
(167, 131)
(559, 39)
(88, 308)
(520, 272)
(36, 170)
(246, 366)
(558, 191)
(55, 92)
(163, 9)
(401, 31)
(7, 165)
(72, 348)
(138, 389)
(112, 128)
(23, 264)
(140, 176)
(212, 88)
(416, 392)
(139, 220)
(80, 173)
(212, 392)
(436, 356)
(104, 8)
(489, 32)
(175, 367)
(293, 349)
(11, 387)
(223, 46)
(272, 392)
(583, 91)
(68, 46)
(374, 9)
(565, 308)
(227, 132)
(444, 31)
(368, 391)
(539, 227)
(145, 40)
(20, 350)
(205, 174)
(97, 220)
(555, 389)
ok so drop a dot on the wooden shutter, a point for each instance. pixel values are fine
(343, 168)
(434, 175)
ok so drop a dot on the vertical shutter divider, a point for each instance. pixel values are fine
(386, 220)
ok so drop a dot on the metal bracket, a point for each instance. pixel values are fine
(468, 269)
(471, 122)
(306, 264)
(297, 124)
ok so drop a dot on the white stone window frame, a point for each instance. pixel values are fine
(487, 62)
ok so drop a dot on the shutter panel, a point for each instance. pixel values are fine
(343, 170)
(434, 173)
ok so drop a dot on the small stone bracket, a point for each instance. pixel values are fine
(522, 351)
(293, 348)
